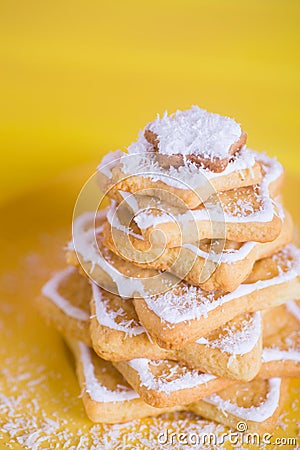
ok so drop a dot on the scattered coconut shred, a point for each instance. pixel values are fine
(24, 421)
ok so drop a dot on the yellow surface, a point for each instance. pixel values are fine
(80, 78)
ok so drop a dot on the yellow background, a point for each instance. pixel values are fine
(79, 78)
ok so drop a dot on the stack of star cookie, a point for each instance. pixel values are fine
(182, 293)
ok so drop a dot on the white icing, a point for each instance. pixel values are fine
(187, 379)
(212, 211)
(195, 131)
(194, 302)
(95, 389)
(227, 256)
(107, 317)
(50, 290)
(294, 309)
(238, 342)
(130, 200)
(276, 354)
(293, 353)
(258, 413)
(143, 163)
(85, 244)
(109, 161)
(114, 221)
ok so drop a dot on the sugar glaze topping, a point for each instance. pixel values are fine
(243, 211)
(175, 377)
(141, 161)
(107, 317)
(51, 291)
(258, 413)
(193, 302)
(228, 255)
(292, 353)
(84, 242)
(237, 341)
(95, 389)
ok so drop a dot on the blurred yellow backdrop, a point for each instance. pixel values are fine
(79, 78)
